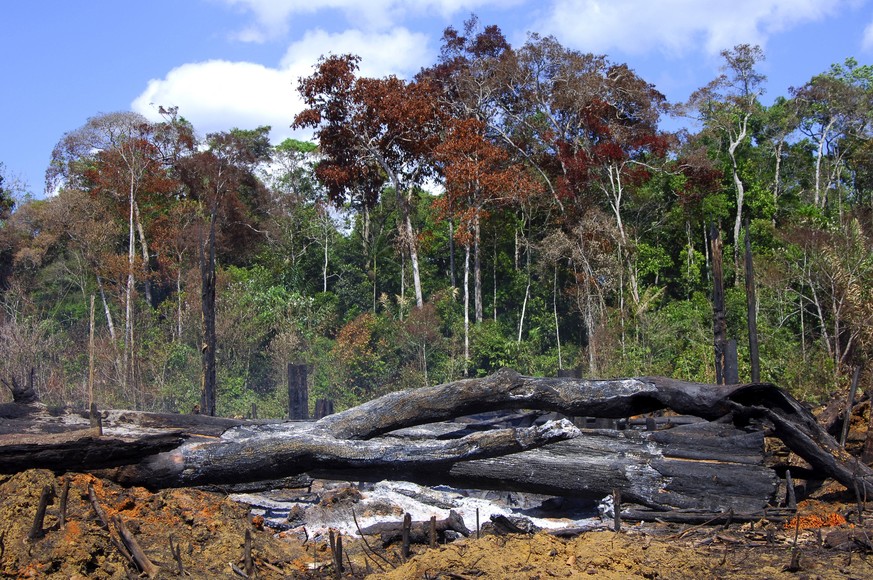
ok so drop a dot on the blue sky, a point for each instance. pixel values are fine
(235, 63)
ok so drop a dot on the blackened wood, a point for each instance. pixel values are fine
(719, 315)
(433, 532)
(208, 382)
(731, 363)
(850, 403)
(79, 450)
(323, 408)
(247, 552)
(45, 497)
(22, 394)
(752, 310)
(95, 418)
(62, 508)
(695, 517)
(681, 468)
(791, 497)
(298, 392)
(132, 545)
(616, 510)
(405, 534)
(98, 509)
(348, 442)
(176, 551)
(419, 532)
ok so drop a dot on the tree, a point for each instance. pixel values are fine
(465, 74)
(726, 106)
(7, 204)
(220, 179)
(835, 108)
(372, 132)
(477, 176)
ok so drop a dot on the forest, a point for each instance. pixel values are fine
(519, 207)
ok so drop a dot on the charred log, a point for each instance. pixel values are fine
(352, 442)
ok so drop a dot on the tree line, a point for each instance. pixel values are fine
(508, 206)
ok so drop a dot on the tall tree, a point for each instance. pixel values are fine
(726, 106)
(478, 176)
(115, 155)
(835, 108)
(372, 131)
(220, 179)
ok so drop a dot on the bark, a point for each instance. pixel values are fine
(702, 466)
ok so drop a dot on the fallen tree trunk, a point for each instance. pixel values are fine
(705, 466)
(351, 441)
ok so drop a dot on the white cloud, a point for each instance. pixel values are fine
(399, 52)
(867, 42)
(219, 95)
(676, 27)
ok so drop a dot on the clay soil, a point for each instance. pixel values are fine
(210, 529)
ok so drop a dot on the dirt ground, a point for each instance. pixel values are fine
(209, 531)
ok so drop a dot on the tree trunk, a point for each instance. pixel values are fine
(663, 469)
(466, 307)
(207, 302)
(477, 269)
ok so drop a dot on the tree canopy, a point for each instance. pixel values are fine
(513, 206)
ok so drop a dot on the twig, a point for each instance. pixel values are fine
(616, 509)
(142, 561)
(687, 531)
(65, 492)
(250, 566)
(176, 551)
(236, 570)
(101, 513)
(372, 552)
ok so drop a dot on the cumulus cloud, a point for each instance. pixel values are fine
(867, 42)
(677, 26)
(218, 95)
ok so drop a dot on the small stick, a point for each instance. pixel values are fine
(338, 556)
(477, 523)
(142, 561)
(44, 499)
(176, 551)
(433, 532)
(250, 566)
(101, 514)
(794, 566)
(859, 500)
(729, 520)
(368, 547)
(407, 524)
(65, 492)
(616, 510)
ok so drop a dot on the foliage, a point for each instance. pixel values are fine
(561, 228)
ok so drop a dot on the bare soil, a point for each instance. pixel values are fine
(210, 530)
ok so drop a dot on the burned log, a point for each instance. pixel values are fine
(419, 532)
(353, 441)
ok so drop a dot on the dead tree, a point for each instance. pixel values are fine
(356, 441)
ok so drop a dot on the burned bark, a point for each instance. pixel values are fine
(419, 532)
(663, 469)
